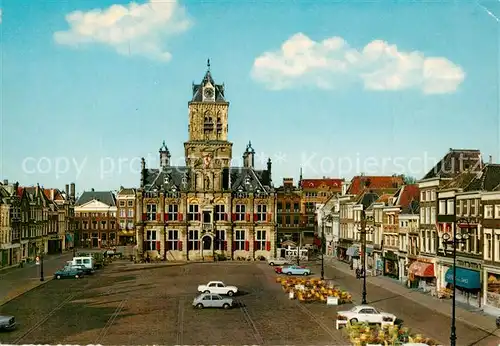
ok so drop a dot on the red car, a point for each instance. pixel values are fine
(278, 270)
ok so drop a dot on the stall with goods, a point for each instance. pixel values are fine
(313, 290)
(362, 334)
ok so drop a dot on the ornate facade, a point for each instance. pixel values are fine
(206, 208)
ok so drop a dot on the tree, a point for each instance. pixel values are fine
(408, 180)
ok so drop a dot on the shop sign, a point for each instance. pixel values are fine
(391, 256)
(425, 260)
(466, 264)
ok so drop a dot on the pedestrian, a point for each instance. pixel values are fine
(358, 273)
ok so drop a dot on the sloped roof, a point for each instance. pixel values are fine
(367, 199)
(106, 197)
(485, 180)
(316, 183)
(124, 191)
(207, 79)
(455, 162)
(460, 181)
(379, 184)
(54, 194)
(409, 199)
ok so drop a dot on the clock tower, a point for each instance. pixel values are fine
(208, 152)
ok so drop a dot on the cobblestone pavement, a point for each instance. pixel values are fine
(125, 304)
(405, 304)
(16, 281)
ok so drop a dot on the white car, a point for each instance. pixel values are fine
(277, 261)
(7, 322)
(218, 287)
(368, 314)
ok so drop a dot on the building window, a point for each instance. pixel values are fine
(428, 195)
(450, 208)
(150, 240)
(296, 220)
(122, 203)
(422, 196)
(173, 212)
(94, 224)
(261, 212)
(473, 207)
(279, 220)
(193, 213)
(433, 215)
(130, 204)
(497, 246)
(193, 240)
(220, 212)
(422, 215)
(296, 207)
(151, 212)
(130, 224)
(240, 212)
(488, 211)
(220, 240)
(130, 213)
(239, 240)
(279, 206)
(173, 240)
(287, 207)
(287, 221)
(459, 208)
(488, 245)
(103, 224)
(260, 240)
(442, 207)
(122, 213)
(112, 225)
(497, 211)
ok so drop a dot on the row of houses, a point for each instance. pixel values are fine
(33, 221)
(406, 223)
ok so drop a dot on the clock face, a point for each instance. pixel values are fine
(209, 93)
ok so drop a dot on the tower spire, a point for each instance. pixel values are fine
(208, 64)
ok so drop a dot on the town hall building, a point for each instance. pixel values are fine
(206, 208)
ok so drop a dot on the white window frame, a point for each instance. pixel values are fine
(172, 240)
(220, 212)
(261, 212)
(240, 211)
(488, 245)
(496, 245)
(151, 239)
(173, 212)
(497, 211)
(450, 206)
(151, 210)
(488, 212)
(458, 206)
(130, 213)
(239, 239)
(442, 207)
(193, 212)
(220, 239)
(260, 240)
(193, 240)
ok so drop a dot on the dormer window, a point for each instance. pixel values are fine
(247, 180)
(166, 179)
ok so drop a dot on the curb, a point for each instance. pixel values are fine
(19, 293)
(492, 331)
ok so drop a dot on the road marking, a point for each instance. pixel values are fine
(251, 323)
(110, 321)
(331, 333)
(180, 321)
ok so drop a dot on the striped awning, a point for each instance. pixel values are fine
(353, 251)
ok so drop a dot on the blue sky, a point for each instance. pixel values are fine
(80, 97)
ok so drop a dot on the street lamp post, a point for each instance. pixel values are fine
(363, 230)
(453, 241)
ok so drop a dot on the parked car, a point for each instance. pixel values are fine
(69, 272)
(278, 270)
(7, 322)
(278, 261)
(368, 314)
(87, 261)
(296, 270)
(218, 287)
(210, 300)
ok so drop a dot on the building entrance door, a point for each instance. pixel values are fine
(207, 242)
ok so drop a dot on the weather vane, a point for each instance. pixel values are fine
(208, 64)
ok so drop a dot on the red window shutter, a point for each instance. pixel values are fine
(233, 217)
(254, 217)
(268, 246)
(158, 245)
(179, 216)
(158, 217)
(248, 217)
(144, 217)
(225, 217)
(247, 245)
(198, 216)
(225, 245)
(269, 217)
(166, 216)
(179, 245)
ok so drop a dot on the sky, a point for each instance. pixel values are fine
(335, 88)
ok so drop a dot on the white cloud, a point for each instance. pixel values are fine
(132, 29)
(332, 62)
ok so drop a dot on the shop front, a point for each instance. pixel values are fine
(491, 301)
(370, 260)
(391, 266)
(467, 283)
(353, 254)
(342, 250)
(403, 267)
(421, 275)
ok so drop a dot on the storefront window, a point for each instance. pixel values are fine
(493, 293)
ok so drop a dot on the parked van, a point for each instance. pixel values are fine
(87, 261)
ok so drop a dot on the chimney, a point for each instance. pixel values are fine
(269, 168)
(72, 190)
(66, 189)
(6, 182)
(37, 189)
(51, 194)
(92, 190)
(490, 160)
(143, 171)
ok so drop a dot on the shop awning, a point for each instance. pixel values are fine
(369, 250)
(466, 278)
(424, 270)
(353, 251)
